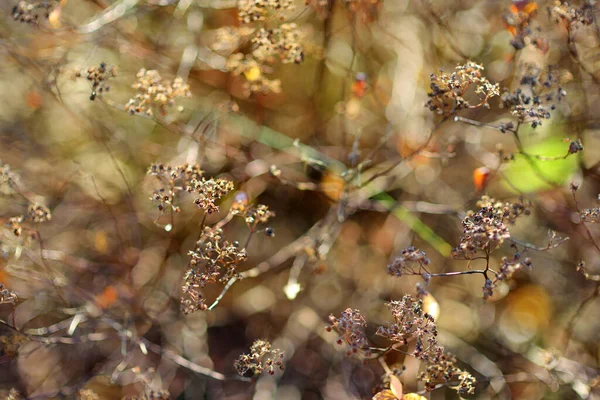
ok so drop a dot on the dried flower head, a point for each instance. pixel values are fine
(32, 12)
(260, 10)
(403, 264)
(98, 77)
(155, 93)
(573, 15)
(486, 229)
(7, 296)
(351, 329)
(253, 214)
(448, 92)
(9, 181)
(173, 179)
(213, 260)
(412, 323)
(262, 357)
(209, 191)
(38, 213)
(533, 100)
(282, 42)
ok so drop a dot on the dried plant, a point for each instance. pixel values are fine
(262, 357)
(155, 93)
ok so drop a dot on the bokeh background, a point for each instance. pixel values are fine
(87, 162)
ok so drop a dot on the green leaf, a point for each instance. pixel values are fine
(530, 174)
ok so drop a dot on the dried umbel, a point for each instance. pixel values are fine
(38, 213)
(9, 181)
(589, 215)
(533, 101)
(7, 296)
(486, 229)
(262, 357)
(98, 77)
(155, 93)
(408, 258)
(260, 10)
(253, 214)
(351, 328)
(209, 191)
(573, 15)
(412, 323)
(213, 260)
(448, 92)
(32, 12)
(282, 42)
(187, 177)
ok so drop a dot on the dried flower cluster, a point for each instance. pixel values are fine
(98, 77)
(31, 12)
(589, 215)
(35, 213)
(262, 357)
(267, 45)
(261, 10)
(534, 99)
(253, 214)
(213, 260)
(188, 178)
(282, 42)
(486, 229)
(403, 264)
(411, 322)
(572, 15)
(155, 93)
(9, 181)
(351, 327)
(7, 296)
(448, 92)
(149, 393)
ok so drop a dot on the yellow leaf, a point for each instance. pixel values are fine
(413, 396)
(385, 395)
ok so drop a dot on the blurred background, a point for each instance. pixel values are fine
(361, 170)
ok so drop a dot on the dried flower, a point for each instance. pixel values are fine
(98, 77)
(411, 323)
(7, 296)
(403, 264)
(351, 328)
(260, 10)
(448, 92)
(38, 213)
(534, 99)
(486, 229)
(31, 12)
(213, 260)
(209, 191)
(571, 15)
(283, 42)
(155, 93)
(262, 357)
(254, 72)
